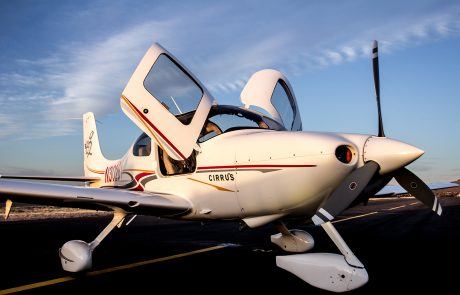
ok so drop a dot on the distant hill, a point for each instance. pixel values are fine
(452, 189)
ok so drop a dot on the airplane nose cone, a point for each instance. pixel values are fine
(390, 154)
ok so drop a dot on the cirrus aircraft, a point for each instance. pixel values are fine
(198, 160)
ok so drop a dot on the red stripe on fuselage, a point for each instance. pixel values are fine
(253, 166)
(140, 175)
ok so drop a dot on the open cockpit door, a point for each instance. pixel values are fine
(270, 90)
(160, 89)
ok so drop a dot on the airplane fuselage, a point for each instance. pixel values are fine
(245, 173)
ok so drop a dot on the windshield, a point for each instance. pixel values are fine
(223, 119)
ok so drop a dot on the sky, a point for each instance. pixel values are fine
(60, 59)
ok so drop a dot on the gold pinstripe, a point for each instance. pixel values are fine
(94, 170)
(213, 185)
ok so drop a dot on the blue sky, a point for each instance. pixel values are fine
(60, 59)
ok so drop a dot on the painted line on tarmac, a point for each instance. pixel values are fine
(397, 207)
(374, 212)
(108, 270)
(355, 217)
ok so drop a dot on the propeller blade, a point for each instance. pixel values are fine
(375, 185)
(417, 188)
(375, 67)
(350, 188)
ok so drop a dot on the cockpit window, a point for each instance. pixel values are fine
(284, 103)
(143, 146)
(227, 119)
(172, 86)
(229, 122)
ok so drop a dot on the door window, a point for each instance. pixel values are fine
(175, 89)
(159, 90)
(143, 146)
(284, 104)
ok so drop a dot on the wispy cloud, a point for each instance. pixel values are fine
(42, 97)
(45, 98)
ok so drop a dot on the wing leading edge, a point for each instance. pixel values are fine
(156, 204)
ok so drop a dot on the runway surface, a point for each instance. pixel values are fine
(404, 246)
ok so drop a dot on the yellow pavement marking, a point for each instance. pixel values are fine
(107, 270)
(357, 216)
(394, 208)
(372, 213)
(36, 285)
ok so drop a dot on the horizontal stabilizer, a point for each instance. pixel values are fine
(51, 178)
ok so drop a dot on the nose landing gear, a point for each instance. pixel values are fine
(294, 240)
(332, 272)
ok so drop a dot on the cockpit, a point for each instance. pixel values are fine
(221, 119)
(226, 118)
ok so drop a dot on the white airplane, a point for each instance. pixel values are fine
(198, 160)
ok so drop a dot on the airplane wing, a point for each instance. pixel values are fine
(51, 178)
(391, 190)
(146, 203)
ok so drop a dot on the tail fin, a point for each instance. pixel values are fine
(93, 160)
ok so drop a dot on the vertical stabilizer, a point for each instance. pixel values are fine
(94, 162)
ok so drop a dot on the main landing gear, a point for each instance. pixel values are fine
(332, 272)
(77, 255)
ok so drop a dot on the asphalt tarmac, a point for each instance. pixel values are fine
(404, 246)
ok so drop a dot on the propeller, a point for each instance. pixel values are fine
(366, 180)
(417, 188)
(408, 180)
(375, 68)
(350, 188)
